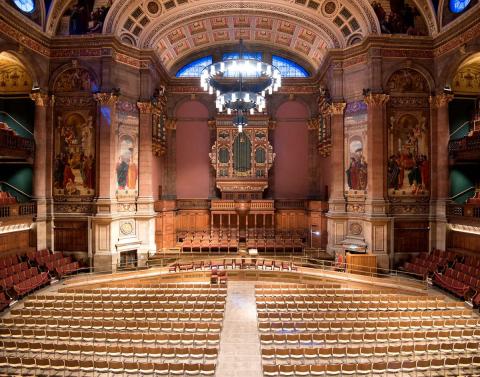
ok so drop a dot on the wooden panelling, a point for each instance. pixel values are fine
(290, 219)
(192, 220)
(71, 236)
(468, 242)
(411, 236)
(14, 241)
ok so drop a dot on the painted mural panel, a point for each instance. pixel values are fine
(127, 151)
(408, 151)
(355, 147)
(74, 165)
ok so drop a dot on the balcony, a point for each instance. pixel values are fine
(15, 146)
(11, 211)
(468, 213)
(466, 149)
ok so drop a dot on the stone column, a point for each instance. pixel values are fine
(337, 220)
(337, 198)
(376, 153)
(145, 216)
(43, 146)
(439, 183)
(105, 231)
(378, 224)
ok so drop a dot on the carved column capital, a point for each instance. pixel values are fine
(145, 107)
(440, 100)
(376, 99)
(106, 98)
(313, 123)
(42, 99)
(171, 124)
(337, 108)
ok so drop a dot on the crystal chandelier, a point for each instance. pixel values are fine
(240, 85)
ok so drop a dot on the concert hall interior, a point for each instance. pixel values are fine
(272, 188)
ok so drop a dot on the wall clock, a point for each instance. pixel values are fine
(458, 6)
(25, 5)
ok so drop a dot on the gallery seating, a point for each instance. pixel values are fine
(427, 264)
(17, 278)
(462, 279)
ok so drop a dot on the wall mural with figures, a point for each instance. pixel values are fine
(408, 162)
(74, 138)
(355, 146)
(127, 150)
(74, 166)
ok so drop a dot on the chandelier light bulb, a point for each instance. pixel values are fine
(229, 111)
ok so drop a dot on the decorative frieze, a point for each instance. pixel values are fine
(106, 98)
(42, 99)
(440, 100)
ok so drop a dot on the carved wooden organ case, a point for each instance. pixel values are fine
(242, 160)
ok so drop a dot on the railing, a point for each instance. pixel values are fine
(11, 187)
(11, 141)
(290, 204)
(467, 143)
(323, 268)
(26, 132)
(468, 210)
(193, 204)
(15, 210)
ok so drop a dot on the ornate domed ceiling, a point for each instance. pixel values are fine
(176, 29)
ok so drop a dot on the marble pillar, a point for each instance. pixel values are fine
(439, 194)
(145, 216)
(337, 220)
(42, 183)
(377, 224)
(105, 230)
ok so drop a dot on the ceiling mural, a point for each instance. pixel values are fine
(177, 28)
(467, 77)
(14, 78)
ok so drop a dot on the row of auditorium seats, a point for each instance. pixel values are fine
(453, 366)
(109, 315)
(390, 337)
(128, 352)
(317, 355)
(26, 365)
(263, 240)
(111, 336)
(363, 316)
(235, 263)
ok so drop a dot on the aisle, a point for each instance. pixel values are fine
(239, 340)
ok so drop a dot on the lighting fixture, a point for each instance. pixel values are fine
(240, 85)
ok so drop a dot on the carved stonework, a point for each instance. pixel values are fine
(42, 99)
(409, 209)
(337, 108)
(313, 123)
(126, 207)
(356, 207)
(407, 81)
(76, 79)
(355, 229)
(76, 102)
(376, 99)
(65, 207)
(106, 99)
(440, 100)
(145, 107)
(127, 228)
(408, 101)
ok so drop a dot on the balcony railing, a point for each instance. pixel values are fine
(467, 143)
(468, 210)
(17, 210)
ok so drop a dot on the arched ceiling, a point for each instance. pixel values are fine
(303, 28)
(176, 29)
(467, 77)
(14, 77)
